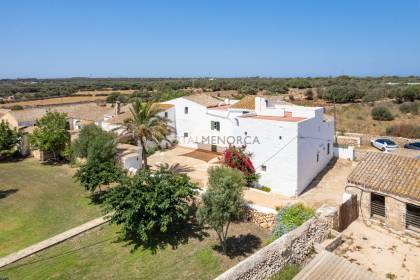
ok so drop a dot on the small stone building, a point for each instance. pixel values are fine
(388, 191)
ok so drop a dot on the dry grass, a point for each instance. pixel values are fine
(357, 118)
(54, 101)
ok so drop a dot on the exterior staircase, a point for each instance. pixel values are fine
(327, 266)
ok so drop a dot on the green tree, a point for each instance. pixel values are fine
(146, 125)
(96, 173)
(150, 203)
(50, 134)
(381, 113)
(342, 94)
(101, 167)
(89, 134)
(223, 202)
(8, 137)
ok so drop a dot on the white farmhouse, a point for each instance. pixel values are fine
(290, 144)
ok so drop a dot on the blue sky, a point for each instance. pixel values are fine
(209, 38)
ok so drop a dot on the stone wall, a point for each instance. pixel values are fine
(264, 220)
(395, 214)
(348, 140)
(365, 138)
(293, 247)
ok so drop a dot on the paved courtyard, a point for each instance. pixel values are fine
(379, 251)
(326, 189)
(194, 162)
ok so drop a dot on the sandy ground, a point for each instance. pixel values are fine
(326, 189)
(194, 162)
(380, 252)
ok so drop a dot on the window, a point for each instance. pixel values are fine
(246, 133)
(215, 125)
(166, 114)
(264, 167)
(377, 206)
(237, 122)
(328, 148)
(412, 217)
(317, 157)
(213, 148)
(279, 137)
(185, 134)
(186, 110)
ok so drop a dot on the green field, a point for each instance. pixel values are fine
(98, 254)
(39, 201)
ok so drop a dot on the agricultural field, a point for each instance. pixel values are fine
(54, 101)
(37, 202)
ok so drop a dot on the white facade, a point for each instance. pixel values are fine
(290, 144)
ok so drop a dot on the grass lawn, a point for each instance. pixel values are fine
(38, 201)
(98, 254)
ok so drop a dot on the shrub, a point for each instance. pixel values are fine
(290, 217)
(381, 113)
(341, 94)
(409, 107)
(239, 158)
(404, 130)
(8, 138)
(309, 94)
(16, 108)
(265, 189)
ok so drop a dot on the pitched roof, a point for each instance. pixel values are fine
(388, 173)
(248, 102)
(203, 99)
(86, 111)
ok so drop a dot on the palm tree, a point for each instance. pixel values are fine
(146, 125)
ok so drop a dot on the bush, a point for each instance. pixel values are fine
(341, 94)
(410, 94)
(265, 189)
(409, 107)
(404, 130)
(381, 113)
(289, 218)
(16, 108)
(309, 94)
(239, 158)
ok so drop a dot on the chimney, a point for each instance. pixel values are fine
(117, 108)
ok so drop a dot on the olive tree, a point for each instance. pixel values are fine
(223, 202)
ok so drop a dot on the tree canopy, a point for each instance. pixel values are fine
(8, 137)
(150, 203)
(90, 135)
(50, 133)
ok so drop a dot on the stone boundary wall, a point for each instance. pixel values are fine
(293, 247)
(263, 219)
(365, 138)
(349, 140)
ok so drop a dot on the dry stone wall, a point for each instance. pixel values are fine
(293, 247)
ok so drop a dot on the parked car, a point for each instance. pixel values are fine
(413, 146)
(384, 144)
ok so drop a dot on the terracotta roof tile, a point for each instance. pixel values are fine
(388, 173)
(204, 99)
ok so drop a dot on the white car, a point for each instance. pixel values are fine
(384, 144)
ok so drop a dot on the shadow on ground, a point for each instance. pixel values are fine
(241, 245)
(320, 175)
(6, 193)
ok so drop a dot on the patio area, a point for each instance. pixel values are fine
(193, 162)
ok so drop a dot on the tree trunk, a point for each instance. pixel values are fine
(143, 153)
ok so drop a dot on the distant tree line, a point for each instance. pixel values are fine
(340, 89)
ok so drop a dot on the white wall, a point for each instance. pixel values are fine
(344, 153)
(314, 137)
(278, 155)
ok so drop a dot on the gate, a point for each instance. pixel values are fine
(348, 212)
